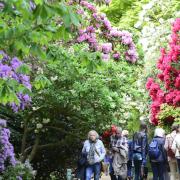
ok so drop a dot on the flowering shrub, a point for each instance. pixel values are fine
(7, 157)
(168, 75)
(117, 43)
(154, 23)
(13, 72)
(168, 115)
(19, 172)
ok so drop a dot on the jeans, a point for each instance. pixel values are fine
(96, 169)
(158, 170)
(137, 169)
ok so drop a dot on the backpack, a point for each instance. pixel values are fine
(154, 150)
(137, 142)
(170, 153)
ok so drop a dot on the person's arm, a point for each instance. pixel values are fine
(124, 145)
(144, 150)
(84, 148)
(103, 151)
(115, 149)
(166, 145)
(174, 146)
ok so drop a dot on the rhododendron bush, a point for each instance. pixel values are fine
(15, 83)
(166, 87)
(101, 36)
(7, 156)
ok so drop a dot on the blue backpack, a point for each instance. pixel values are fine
(154, 150)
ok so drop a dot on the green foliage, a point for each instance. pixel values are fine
(121, 13)
(27, 30)
(117, 8)
(169, 112)
(8, 90)
(24, 171)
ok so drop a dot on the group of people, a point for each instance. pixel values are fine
(124, 154)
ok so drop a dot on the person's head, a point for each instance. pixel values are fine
(125, 133)
(119, 132)
(93, 135)
(159, 132)
(174, 127)
(143, 126)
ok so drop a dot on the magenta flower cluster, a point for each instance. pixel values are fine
(100, 26)
(168, 92)
(7, 156)
(8, 70)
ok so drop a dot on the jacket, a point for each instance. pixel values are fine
(99, 147)
(144, 146)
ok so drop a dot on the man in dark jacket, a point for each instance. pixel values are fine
(140, 150)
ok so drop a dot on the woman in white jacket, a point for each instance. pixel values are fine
(176, 147)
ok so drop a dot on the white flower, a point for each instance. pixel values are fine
(54, 78)
(45, 121)
(147, 19)
(35, 108)
(161, 20)
(39, 70)
(148, 6)
(126, 115)
(39, 126)
(138, 24)
(36, 131)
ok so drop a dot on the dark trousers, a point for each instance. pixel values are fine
(158, 170)
(113, 177)
(118, 178)
(129, 168)
(178, 162)
(137, 169)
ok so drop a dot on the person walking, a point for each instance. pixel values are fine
(176, 148)
(157, 154)
(94, 150)
(125, 133)
(140, 150)
(113, 141)
(170, 154)
(120, 159)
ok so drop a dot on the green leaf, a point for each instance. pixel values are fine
(23, 69)
(38, 2)
(41, 82)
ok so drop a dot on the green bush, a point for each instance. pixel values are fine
(19, 172)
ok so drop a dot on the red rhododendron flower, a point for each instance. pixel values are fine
(169, 76)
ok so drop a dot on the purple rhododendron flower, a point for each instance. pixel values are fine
(7, 156)
(8, 69)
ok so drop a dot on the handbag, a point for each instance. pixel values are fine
(82, 160)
